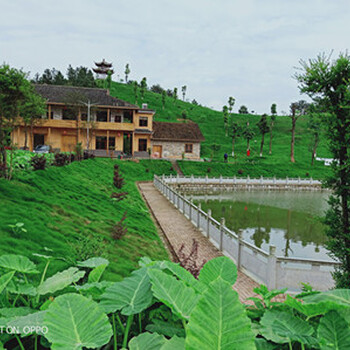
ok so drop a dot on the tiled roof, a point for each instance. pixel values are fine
(190, 131)
(62, 94)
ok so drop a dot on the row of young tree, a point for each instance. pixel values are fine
(314, 112)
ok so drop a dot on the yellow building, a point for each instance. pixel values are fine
(102, 123)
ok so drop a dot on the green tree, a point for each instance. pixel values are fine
(143, 87)
(329, 80)
(243, 110)
(272, 123)
(314, 124)
(108, 81)
(297, 109)
(31, 111)
(225, 115)
(184, 115)
(127, 72)
(235, 134)
(248, 134)
(163, 98)
(135, 89)
(13, 91)
(183, 89)
(264, 129)
(175, 94)
(231, 103)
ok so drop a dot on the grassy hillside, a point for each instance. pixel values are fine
(69, 210)
(212, 126)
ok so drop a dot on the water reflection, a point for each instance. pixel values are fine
(289, 220)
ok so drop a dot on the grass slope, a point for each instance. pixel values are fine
(212, 126)
(60, 206)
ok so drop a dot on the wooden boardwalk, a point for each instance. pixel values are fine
(178, 230)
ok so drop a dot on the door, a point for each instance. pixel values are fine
(39, 139)
(68, 143)
(157, 151)
(127, 143)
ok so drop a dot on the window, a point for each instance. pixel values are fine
(118, 118)
(47, 114)
(68, 114)
(128, 117)
(112, 143)
(101, 142)
(188, 148)
(83, 116)
(143, 121)
(101, 116)
(142, 145)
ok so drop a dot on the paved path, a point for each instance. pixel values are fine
(178, 230)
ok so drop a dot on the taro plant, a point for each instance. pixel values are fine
(159, 306)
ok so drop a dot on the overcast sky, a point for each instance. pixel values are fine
(247, 48)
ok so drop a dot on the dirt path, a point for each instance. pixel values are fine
(176, 167)
(179, 230)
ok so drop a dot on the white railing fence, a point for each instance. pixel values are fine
(263, 267)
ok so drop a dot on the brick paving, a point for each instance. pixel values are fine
(178, 230)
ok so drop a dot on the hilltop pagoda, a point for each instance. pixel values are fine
(102, 68)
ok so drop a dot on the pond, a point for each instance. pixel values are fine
(289, 220)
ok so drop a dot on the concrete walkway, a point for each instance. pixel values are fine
(179, 230)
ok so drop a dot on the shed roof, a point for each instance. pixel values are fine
(63, 94)
(190, 132)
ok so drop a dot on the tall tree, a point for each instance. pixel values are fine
(225, 115)
(235, 133)
(127, 72)
(31, 110)
(135, 89)
(248, 134)
(175, 94)
(297, 109)
(264, 129)
(143, 87)
(315, 127)
(231, 103)
(163, 98)
(183, 89)
(13, 88)
(330, 80)
(108, 81)
(272, 123)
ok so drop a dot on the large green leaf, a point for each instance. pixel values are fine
(96, 274)
(5, 280)
(334, 332)
(336, 296)
(10, 312)
(60, 280)
(1, 346)
(75, 322)
(221, 266)
(312, 309)
(93, 262)
(219, 321)
(25, 323)
(95, 289)
(165, 328)
(149, 341)
(131, 296)
(263, 344)
(183, 275)
(173, 293)
(17, 263)
(21, 288)
(282, 327)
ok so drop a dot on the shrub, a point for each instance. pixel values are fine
(61, 159)
(240, 171)
(38, 162)
(88, 155)
(118, 181)
(3, 170)
(119, 229)
(209, 170)
(307, 174)
(119, 196)
(190, 262)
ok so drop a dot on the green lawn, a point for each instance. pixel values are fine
(62, 206)
(212, 127)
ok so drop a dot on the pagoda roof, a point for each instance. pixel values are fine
(103, 63)
(102, 70)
